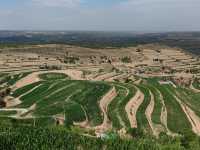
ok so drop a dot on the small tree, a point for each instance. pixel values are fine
(126, 59)
(136, 132)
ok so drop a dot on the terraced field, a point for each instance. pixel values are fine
(59, 95)
(102, 106)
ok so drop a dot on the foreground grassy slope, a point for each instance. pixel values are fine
(61, 138)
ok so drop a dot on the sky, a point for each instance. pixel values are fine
(100, 15)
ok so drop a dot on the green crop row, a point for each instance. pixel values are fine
(140, 115)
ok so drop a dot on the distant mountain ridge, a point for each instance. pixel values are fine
(98, 39)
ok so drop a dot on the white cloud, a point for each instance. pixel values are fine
(6, 12)
(136, 15)
(57, 3)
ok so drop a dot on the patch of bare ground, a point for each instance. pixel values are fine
(103, 104)
(138, 81)
(117, 76)
(31, 78)
(156, 128)
(11, 101)
(105, 76)
(132, 107)
(27, 113)
(34, 77)
(191, 115)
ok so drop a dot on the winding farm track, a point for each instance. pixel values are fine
(118, 76)
(85, 123)
(191, 115)
(103, 104)
(138, 81)
(20, 111)
(105, 76)
(34, 77)
(132, 107)
(29, 91)
(156, 128)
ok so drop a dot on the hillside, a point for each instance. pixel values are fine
(135, 93)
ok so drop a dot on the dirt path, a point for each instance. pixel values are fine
(59, 90)
(132, 107)
(105, 76)
(20, 111)
(191, 115)
(167, 82)
(33, 77)
(156, 128)
(103, 104)
(74, 93)
(117, 76)
(85, 123)
(29, 91)
(138, 81)
(54, 84)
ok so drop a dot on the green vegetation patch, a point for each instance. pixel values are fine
(53, 76)
(158, 102)
(25, 89)
(190, 98)
(140, 115)
(28, 137)
(176, 120)
(196, 84)
(113, 108)
(76, 99)
(7, 113)
(12, 79)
